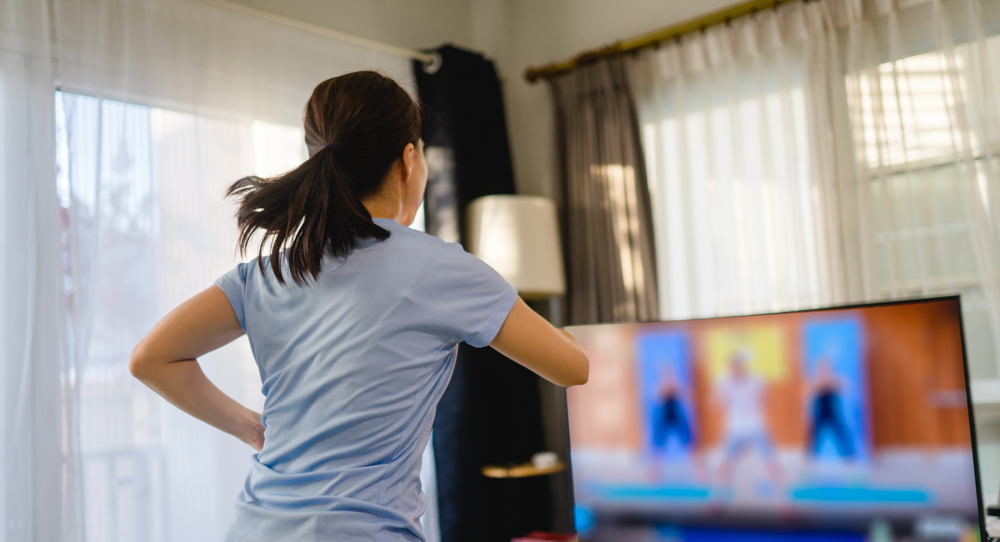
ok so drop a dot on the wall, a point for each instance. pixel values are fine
(415, 24)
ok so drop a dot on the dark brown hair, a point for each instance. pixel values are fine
(357, 125)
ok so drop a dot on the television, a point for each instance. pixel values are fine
(849, 423)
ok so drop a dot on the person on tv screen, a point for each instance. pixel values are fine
(670, 417)
(741, 395)
(826, 393)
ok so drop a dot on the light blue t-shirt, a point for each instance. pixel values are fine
(353, 365)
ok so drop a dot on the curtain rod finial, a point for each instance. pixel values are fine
(434, 64)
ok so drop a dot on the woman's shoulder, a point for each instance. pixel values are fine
(420, 242)
(436, 250)
(424, 252)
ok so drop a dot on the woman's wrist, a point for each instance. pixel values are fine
(252, 430)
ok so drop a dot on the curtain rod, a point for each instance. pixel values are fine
(426, 58)
(652, 39)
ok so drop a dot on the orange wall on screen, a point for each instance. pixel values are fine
(916, 376)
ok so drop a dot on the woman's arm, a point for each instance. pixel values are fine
(166, 361)
(554, 354)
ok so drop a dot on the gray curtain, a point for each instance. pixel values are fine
(607, 224)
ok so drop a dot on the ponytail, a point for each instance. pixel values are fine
(310, 209)
(357, 126)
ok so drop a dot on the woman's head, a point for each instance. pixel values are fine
(375, 126)
(363, 135)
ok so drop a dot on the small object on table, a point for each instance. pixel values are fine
(545, 460)
(539, 536)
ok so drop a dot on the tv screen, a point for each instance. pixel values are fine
(839, 424)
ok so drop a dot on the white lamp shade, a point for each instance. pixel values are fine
(519, 237)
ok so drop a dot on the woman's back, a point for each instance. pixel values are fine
(353, 365)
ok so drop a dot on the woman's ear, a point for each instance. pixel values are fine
(408, 162)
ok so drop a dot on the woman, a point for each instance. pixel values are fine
(356, 349)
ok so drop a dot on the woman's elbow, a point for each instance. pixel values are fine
(584, 372)
(138, 362)
(580, 375)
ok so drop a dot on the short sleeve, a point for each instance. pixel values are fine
(233, 284)
(465, 295)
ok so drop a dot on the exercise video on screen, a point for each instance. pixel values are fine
(817, 418)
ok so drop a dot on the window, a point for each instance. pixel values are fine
(919, 134)
(145, 226)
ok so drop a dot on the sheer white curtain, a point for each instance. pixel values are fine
(32, 338)
(923, 92)
(829, 152)
(140, 113)
(141, 188)
(727, 160)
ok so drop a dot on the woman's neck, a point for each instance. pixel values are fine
(381, 207)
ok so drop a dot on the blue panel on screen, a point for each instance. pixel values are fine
(665, 381)
(835, 406)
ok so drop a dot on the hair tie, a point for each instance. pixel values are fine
(333, 146)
